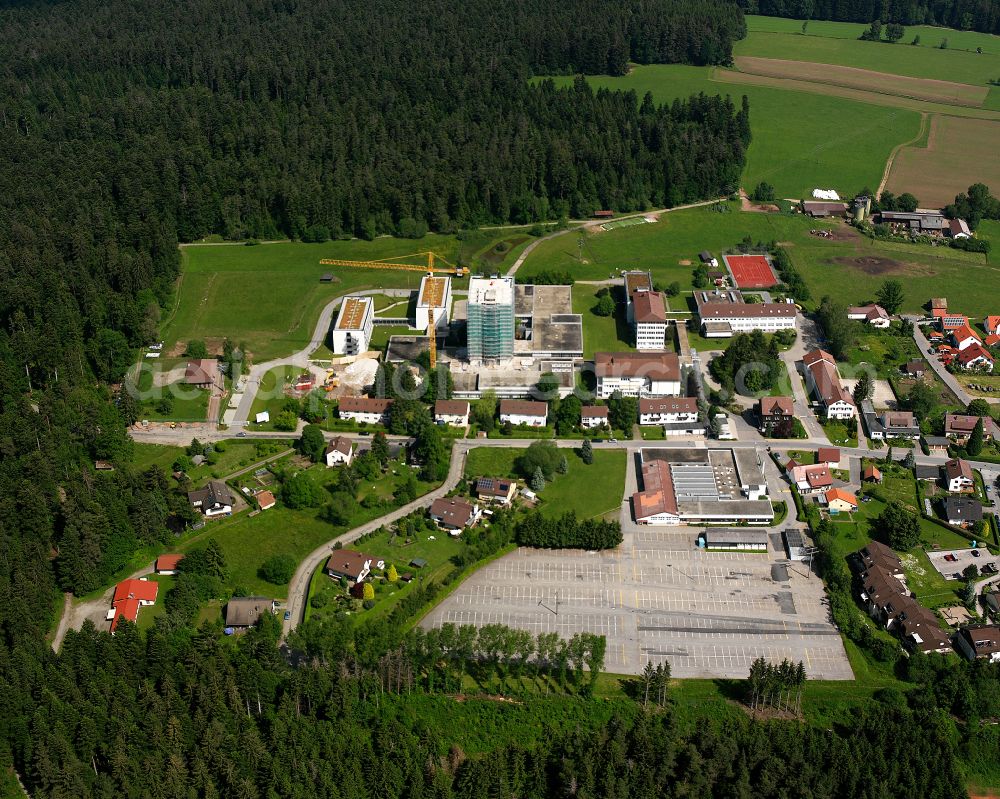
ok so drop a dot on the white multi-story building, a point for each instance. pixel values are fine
(649, 310)
(433, 300)
(823, 380)
(353, 329)
(668, 410)
(370, 410)
(635, 281)
(637, 374)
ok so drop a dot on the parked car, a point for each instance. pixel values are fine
(288, 615)
(976, 553)
(950, 558)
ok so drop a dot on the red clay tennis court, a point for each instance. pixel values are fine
(750, 271)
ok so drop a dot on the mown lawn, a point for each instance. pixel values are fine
(238, 454)
(588, 490)
(269, 296)
(602, 333)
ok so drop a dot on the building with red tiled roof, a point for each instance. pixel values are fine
(524, 412)
(812, 479)
(129, 596)
(838, 500)
(964, 336)
(958, 476)
(593, 416)
(830, 456)
(975, 356)
(167, 564)
(991, 324)
(823, 380)
(656, 503)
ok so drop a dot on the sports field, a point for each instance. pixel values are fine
(268, 297)
(951, 160)
(750, 271)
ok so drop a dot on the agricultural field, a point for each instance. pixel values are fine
(268, 297)
(926, 60)
(604, 478)
(796, 145)
(848, 267)
(949, 161)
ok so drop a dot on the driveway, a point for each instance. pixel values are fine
(807, 339)
(946, 377)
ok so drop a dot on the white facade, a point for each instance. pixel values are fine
(590, 422)
(959, 484)
(739, 322)
(668, 412)
(363, 409)
(434, 299)
(651, 335)
(840, 410)
(353, 329)
(451, 412)
(525, 419)
(368, 417)
(339, 455)
(637, 387)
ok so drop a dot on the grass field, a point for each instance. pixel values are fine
(951, 160)
(601, 333)
(849, 267)
(924, 61)
(796, 145)
(269, 296)
(237, 454)
(604, 479)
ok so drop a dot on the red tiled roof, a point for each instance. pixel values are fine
(453, 511)
(818, 476)
(669, 405)
(964, 332)
(339, 444)
(973, 352)
(140, 590)
(657, 495)
(991, 324)
(364, 404)
(655, 366)
(871, 473)
(957, 467)
(523, 408)
(168, 562)
(594, 412)
(649, 306)
(828, 455)
(451, 408)
(841, 494)
(266, 500)
(772, 405)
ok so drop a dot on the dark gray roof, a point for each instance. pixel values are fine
(927, 471)
(965, 509)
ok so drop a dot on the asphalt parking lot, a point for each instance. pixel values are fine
(951, 563)
(658, 597)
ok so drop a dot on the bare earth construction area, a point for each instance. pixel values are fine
(927, 89)
(658, 597)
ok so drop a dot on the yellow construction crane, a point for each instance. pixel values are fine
(457, 271)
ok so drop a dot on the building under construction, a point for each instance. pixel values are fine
(490, 319)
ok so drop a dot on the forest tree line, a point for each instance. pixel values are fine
(978, 15)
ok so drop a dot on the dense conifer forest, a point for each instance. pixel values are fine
(979, 15)
(127, 127)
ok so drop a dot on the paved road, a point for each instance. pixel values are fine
(807, 339)
(946, 377)
(299, 359)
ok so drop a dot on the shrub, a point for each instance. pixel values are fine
(277, 569)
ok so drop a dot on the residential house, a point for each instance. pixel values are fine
(129, 596)
(592, 416)
(813, 479)
(959, 229)
(167, 564)
(265, 499)
(338, 452)
(877, 554)
(215, 499)
(883, 595)
(871, 474)
(649, 310)
(668, 411)
(451, 412)
(920, 630)
(830, 456)
(204, 373)
(839, 500)
(992, 340)
(964, 336)
(245, 611)
(347, 564)
(524, 412)
(369, 410)
(962, 511)
(958, 476)
(874, 315)
(496, 490)
(979, 641)
(889, 424)
(637, 374)
(823, 380)
(975, 356)
(991, 324)
(454, 515)
(952, 321)
(916, 368)
(959, 426)
(775, 413)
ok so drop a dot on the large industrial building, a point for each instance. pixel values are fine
(700, 486)
(490, 325)
(434, 299)
(545, 325)
(353, 329)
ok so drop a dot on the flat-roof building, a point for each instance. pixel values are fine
(545, 325)
(433, 300)
(490, 322)
(633, 281)
(353, 329)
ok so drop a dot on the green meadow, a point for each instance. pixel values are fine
(801, 140)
